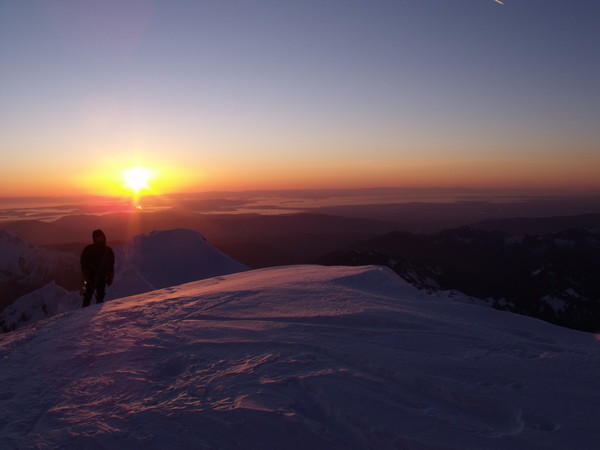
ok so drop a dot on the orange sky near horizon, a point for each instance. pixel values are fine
(525, 173)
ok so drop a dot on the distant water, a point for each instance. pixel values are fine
(260, 202)
(51, 208)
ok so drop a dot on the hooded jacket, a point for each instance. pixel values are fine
(98, 259)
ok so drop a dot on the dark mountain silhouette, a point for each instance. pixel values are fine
(553, 277)
(426, 217)
(255, 240)
(540, 225)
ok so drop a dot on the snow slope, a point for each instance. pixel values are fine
(302, 357)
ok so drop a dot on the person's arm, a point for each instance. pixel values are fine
(85, 265)
(110, 273)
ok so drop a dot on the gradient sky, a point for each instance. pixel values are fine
(280, 94)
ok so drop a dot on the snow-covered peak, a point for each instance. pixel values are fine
(168, 258)
(23, 263)
(13, 250)
(25, 268)
(299, 357)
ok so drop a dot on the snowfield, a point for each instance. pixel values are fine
(300, 357)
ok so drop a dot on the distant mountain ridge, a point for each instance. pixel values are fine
(553, 277)
(265, 241)
(540, 225)
(215, 227)
(255, 240)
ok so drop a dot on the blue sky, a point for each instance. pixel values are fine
(278, 94)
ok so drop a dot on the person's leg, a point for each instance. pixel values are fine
(100, 291)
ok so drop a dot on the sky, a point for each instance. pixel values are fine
(236, 95)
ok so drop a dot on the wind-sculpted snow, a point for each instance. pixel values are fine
(300, 357)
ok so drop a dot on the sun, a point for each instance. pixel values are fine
(136, 179)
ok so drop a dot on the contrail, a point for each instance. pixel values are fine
(498, 1)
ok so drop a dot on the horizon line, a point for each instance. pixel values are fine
(523, 191)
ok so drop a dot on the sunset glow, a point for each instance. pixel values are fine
(167, 97)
